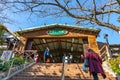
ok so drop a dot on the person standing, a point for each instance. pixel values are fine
(36, 58)
(70, 58)
(95, 64)
(46, 54)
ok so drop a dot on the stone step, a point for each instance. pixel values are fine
(55, 78)
(47, 78)
(53, 71)
(38, 74)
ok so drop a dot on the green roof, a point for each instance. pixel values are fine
(60, 25)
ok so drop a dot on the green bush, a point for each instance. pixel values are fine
(1, 61)
(115, 65)
(4, 67)
(18, 60)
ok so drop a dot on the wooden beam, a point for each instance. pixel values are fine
(34, 43)
(57, 41)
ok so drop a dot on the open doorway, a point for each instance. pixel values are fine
(60, 47)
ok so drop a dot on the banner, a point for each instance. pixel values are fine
(6, 55)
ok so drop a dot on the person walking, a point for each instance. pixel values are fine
(95, 64)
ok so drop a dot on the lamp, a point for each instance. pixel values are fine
(106, 37)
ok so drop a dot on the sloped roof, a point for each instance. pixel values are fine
(7, 30)
(63, 44)
(60, 25)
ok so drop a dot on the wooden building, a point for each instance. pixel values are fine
(60, 39)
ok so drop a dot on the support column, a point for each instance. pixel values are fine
(29, 44)
(93, 43)
(85, 45)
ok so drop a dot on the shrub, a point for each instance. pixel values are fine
(115, 65)
(4, 67)
(1, 61)
(18, 60)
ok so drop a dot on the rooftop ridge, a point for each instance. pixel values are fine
(66, 25)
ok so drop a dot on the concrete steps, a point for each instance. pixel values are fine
(53, 71)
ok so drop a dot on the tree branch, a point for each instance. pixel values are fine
(94, 12)
(85, 11)
(118, 2)
(108, 4)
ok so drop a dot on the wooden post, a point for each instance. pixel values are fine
(29, 44)
(85, 45)
(93, 43)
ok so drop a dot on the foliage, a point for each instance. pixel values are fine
(4, 67)
(115, 65)
(0, 60)
(1, 52)
(2, 31)
(85, 12)
(16, 34)
(18, 60)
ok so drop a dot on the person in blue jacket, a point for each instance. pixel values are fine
(46, 54)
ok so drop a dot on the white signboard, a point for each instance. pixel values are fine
(6, 55)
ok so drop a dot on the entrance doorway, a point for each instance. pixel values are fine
(60, 47)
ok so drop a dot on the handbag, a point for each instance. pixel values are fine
(85, 65)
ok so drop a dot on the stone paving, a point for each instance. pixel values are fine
(53, 71)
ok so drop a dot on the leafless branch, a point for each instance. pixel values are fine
(108, 4)
(79, 9)
(94, 5)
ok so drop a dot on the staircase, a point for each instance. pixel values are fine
(53, 71)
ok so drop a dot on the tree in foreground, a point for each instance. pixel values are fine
(98, 12)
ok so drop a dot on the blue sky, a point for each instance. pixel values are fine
(24, 20)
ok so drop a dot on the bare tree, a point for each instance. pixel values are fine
(4, 8)
(98, 12)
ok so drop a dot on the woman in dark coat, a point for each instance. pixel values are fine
(95, 64)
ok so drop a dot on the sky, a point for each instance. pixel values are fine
(24, 20)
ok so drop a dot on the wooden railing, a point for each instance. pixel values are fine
(104, 52)
(111, 51)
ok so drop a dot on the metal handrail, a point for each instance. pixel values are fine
(10, 68)
(11, 61)
(18, 71)
(63, 71)
(64, 60)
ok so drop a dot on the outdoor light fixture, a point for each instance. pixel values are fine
(106, 37)
(44, 41)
